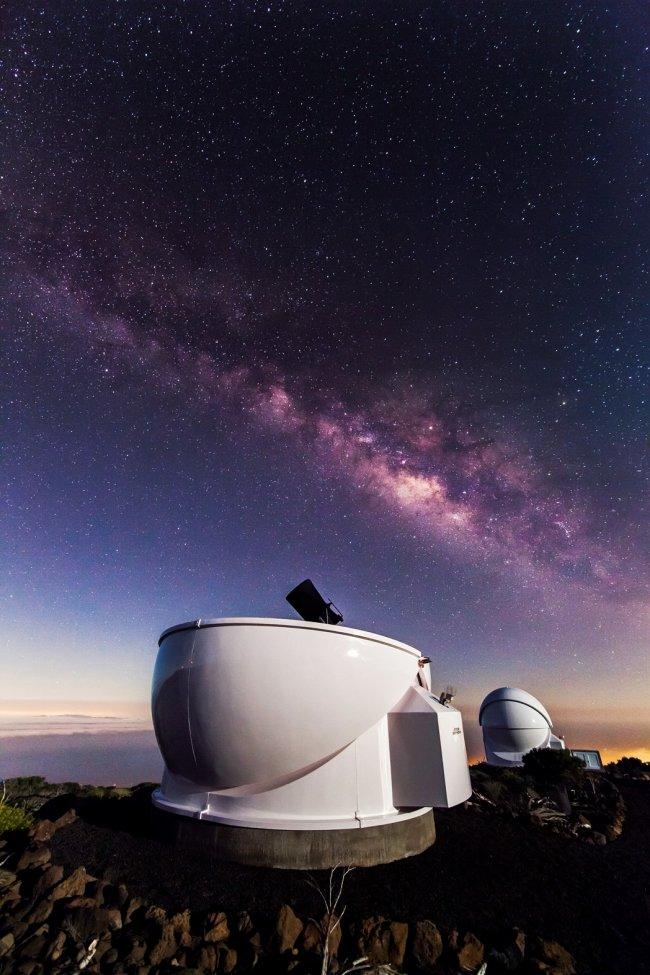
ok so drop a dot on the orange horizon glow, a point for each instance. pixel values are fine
(607, 755)
(613, 755)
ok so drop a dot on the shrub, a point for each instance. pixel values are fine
(12, 817)
(630, 765)
(548, 767)
(514, 781)
(493, 790)
(26, 783)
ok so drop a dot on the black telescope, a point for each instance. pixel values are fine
(308, 603)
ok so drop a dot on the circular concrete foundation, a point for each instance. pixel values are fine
(302, 849)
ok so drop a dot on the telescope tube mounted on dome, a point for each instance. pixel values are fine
(303, 744)
(514, 722)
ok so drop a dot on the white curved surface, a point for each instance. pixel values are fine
(514, 722)
(352, 789)
(506, 706)
(280, 723)
(249, 702)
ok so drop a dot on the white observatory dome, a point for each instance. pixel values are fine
(514, 722)
(292, 725)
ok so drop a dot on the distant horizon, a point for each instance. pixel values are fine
(580, 729)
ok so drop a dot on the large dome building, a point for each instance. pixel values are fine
(302, 744)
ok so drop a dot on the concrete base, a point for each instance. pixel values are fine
(301, 849)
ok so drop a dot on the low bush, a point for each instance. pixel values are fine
(12, 818)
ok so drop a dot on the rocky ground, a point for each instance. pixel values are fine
(594, 807)
(91, 887)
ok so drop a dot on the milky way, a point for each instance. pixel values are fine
(481, 496)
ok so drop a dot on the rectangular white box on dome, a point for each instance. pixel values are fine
(427, 752)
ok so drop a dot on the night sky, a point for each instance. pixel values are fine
(348, 291)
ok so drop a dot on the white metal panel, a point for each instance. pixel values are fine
(427, 752)
(374, 781)
(325, 798)
(353, 789)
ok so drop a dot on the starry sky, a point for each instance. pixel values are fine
(348, 291)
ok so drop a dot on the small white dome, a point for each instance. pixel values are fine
(513, 722)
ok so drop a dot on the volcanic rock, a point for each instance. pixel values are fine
(383, 942)
(165, 946)
(101, 892)
(552, 958)
(470, 953)
(17, 927)
(81, 902)
(226, 958)
(34, 856)
(114, 918)
(207, 958)
(73, 885)
(427, 945)
(53, 875)
(35, 946)
(615, 828)
(28, 967)
(216, 928)
(121, 894)
(41, 912)
(87, 923)
(7, 878)
(44, 829)
(9, 899)
(132, 905)
(287, 929)
(182, 925)
(136, 955)
(313, 937)
(157, 914)
(55, 950)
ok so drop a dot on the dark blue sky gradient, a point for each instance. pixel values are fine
(354, 294)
